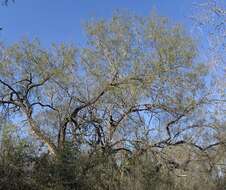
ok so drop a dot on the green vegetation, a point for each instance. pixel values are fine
(130, 110)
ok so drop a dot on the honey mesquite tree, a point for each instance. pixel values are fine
(136, 86)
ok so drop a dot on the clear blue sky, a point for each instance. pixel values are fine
(61, 20)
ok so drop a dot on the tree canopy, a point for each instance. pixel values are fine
(133, 102)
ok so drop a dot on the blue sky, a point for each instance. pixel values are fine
(61, 20)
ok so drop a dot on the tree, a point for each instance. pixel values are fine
(136, 89)
(16, 154)
(210, 20)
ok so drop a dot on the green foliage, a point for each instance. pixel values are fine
(16, 157)
(126, 111)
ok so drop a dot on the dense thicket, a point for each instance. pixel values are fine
(22, 169)
(132, 109)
